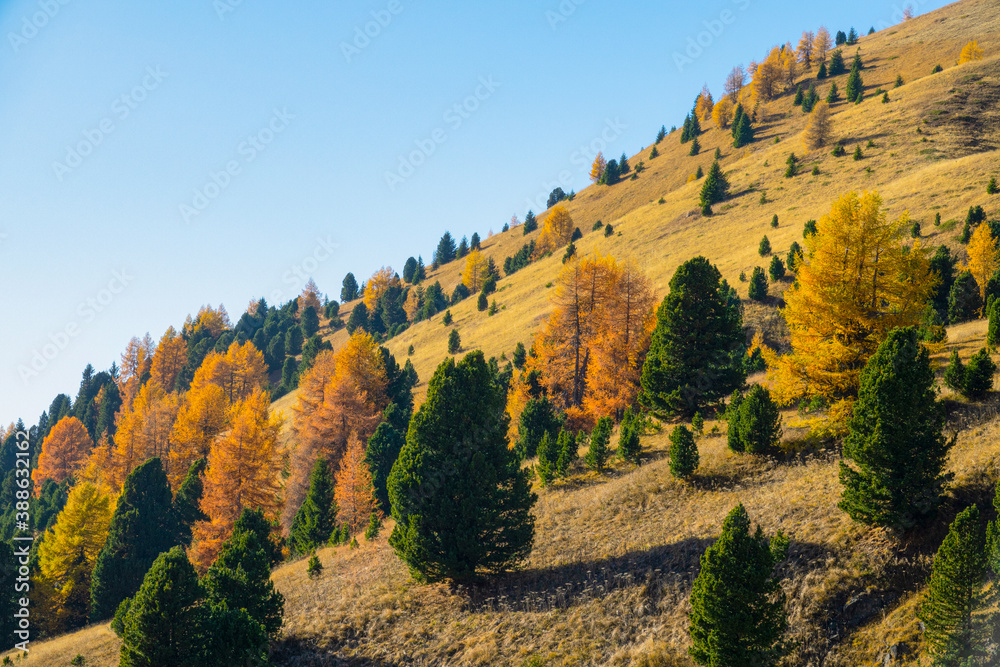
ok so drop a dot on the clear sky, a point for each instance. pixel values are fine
(155, 157)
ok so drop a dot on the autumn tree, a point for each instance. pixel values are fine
(806, 48)
(971, 51)
(64, 451)
(144, 524)
(69, 551)
(769, 78)
(597, 168)
(313, 522)
(722, 113)
(343, 392)
(895, 445)
(472, 276)
(310, 297)
(696, 353)
(557, 231)
(821, 45)
(703, 104)
(354, 492)
(241, 472)
(984, 259)
(142, 430)
(380, 283)
(461, 501)
(135, 361)
(818, 127)
(169, 360)
(857, 280)
(735, 81)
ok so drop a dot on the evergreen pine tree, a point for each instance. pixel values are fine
(954, 634)
(548, 459)
(447, 319)
(855, 85)
(310, 323)
(629, 447)
(993, 332)
(698, 334)
(598, 454)
(313, 522)
(383, 449)
(757, 289)
(943, 264)
(821, 72)
(187, 502)
(683, 453)
(758, 421)
(797, 101)
(895, 441)
(446, 249)
(611, 173)
(461, 501)
(483, 302)
(715, 187)
(463, 248)
(661, 134)
(777, 269)
(954, 373)
(240, 577)
(144, 525)
(530, 223)
(991, 187)
(454, 341)
(733, 438)
(568, 451)
(979, 375)
(836, 63)
(519, 356)
(832, 96)
(964, 301)
(409, 270)
(764, 249)
(699, 173)
(737, 605)
(162, 625)
(695, 147)
(742, 132)
(538, 418)
(623, 166)
(349, 289)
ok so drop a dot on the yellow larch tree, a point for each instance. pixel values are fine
(557, 230)
(818, 127)
(597, 169)
(703, 104)
(857, 280)
(142, 430)
(722, 113)
(767, 77)
(136, 360)
(472, 275)
(243, 472)
(821, 45)
(64, 451)
(310, 297)
(970, 52)
(983, 257)
(354, 492)
(806, 48)
(169, 359)
(213, 320)
(378, 284)
(69, 551)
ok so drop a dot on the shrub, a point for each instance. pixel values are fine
(315, 568)
(774, 221)
(915, 230)
(899, 80)
(937, 68)
(608, 230)
(991, 187)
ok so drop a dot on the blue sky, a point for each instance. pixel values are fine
(160, 156)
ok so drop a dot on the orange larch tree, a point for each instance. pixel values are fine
(556, 232)
(378, 284)
(64, 451)
(143, 430)
(243, 472)
(354, 492)
(169, 359)
(310, 297)
(472, 276)
(136, 360)
(703, 104)
(597, 169)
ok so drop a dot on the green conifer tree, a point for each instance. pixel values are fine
(757, 289)
(715, 187)
(548, 458)
(954, 373)
(979, 375)
(758, 421)
(683, 453)
(313, 522)
(599, 452)
(383, 449)
(568, 451)
(461, 501)
(895, 444)
(737, 605)
(629, 447)
(964, 300)
(187, 502)
(455, 339)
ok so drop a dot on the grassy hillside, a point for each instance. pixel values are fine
(615, 555)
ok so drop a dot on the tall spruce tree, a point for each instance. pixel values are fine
(895, 444)
(548, 459)
(954, 633)
(383, 449)
(757, 422)
(349, 288)
(461, 501)
(683, 452)
(629, 447)
(446, 249)
(240, 577)
(737, 605)
(144, 525)
(696, 352)
(598, 453)
(162, 625)
(568, 451)
(715, 187)
(538, 418)
(742, 131)
(187, 502)
(314, 521)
